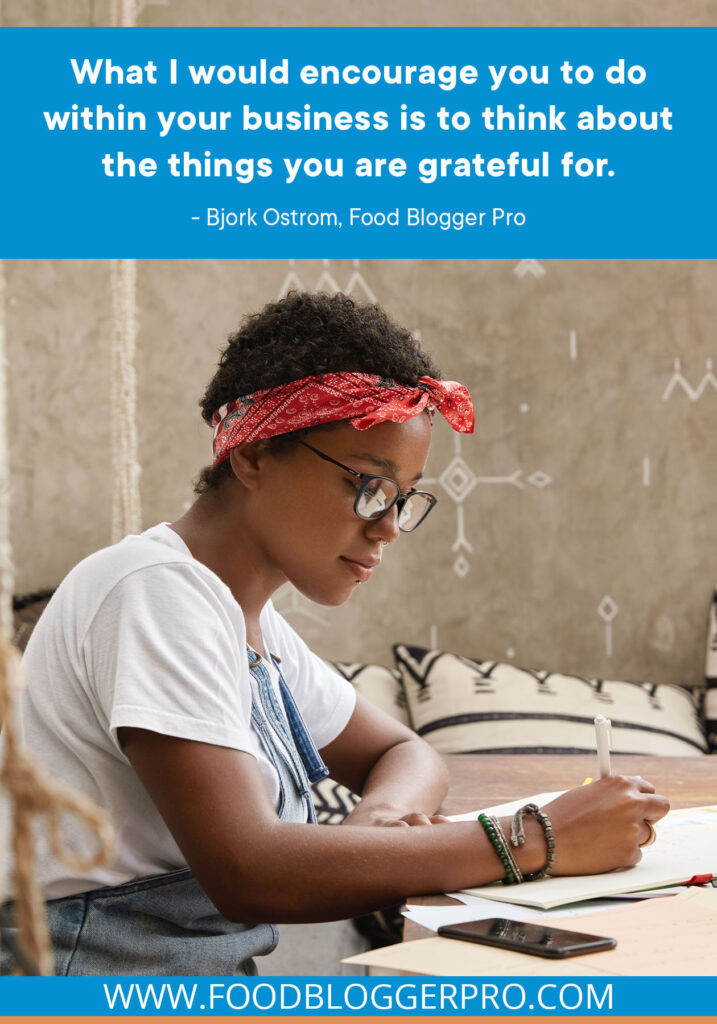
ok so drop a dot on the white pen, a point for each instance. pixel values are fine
(602, 739)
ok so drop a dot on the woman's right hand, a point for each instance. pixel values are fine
(600, 827)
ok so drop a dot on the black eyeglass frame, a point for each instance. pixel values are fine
(400, 499)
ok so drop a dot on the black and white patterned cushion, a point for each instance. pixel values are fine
(461, 705)
(381, 685)
(711, 676)
(332, 802)
(27, 609)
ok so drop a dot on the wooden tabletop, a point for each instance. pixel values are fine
(481, 780)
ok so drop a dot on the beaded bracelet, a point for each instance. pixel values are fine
(517, 838)
(497, 839)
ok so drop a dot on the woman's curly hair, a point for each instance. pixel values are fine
(302, 335)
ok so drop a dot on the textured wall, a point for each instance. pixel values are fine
(367, 12)
(577, 530)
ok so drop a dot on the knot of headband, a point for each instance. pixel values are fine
(361, 398)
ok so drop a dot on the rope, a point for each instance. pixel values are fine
(126, 503)
(33, 793)
(124, 13)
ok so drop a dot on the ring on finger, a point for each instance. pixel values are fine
(651, 838)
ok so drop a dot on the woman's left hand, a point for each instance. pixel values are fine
(384, 819)
(416, 818)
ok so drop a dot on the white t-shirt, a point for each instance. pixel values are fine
(142, 634)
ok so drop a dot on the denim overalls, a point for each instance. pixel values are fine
(165, 924)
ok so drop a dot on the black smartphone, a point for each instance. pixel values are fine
(536, 939)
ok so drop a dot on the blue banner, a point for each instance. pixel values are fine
(390, 142)
(390, 997)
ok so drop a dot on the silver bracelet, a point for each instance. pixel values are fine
(508, 852)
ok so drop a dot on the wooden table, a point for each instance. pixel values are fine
(481, 780)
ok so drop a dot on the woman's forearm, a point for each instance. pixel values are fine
(299, 873)
(410, 777)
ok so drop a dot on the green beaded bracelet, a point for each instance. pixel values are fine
(495, 835)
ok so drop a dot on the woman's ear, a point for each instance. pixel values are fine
(245, 461)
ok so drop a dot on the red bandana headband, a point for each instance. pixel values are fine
(361, 398)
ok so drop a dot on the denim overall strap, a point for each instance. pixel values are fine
(315, 767)
(295, 754)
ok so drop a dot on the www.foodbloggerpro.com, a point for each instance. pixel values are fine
(356, 996)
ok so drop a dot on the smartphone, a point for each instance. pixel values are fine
(536, 939)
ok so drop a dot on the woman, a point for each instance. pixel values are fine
(163, 684)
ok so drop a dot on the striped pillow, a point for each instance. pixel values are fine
(27, 609)
(381, 685)
(461, 705)
(332, 802)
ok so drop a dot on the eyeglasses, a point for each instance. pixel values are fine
(378, 494)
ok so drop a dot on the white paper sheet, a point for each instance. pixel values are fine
(689, 816)
(477, 908)
(500, 810)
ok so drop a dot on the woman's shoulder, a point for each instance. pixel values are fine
(159, 545)
(156, 561)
